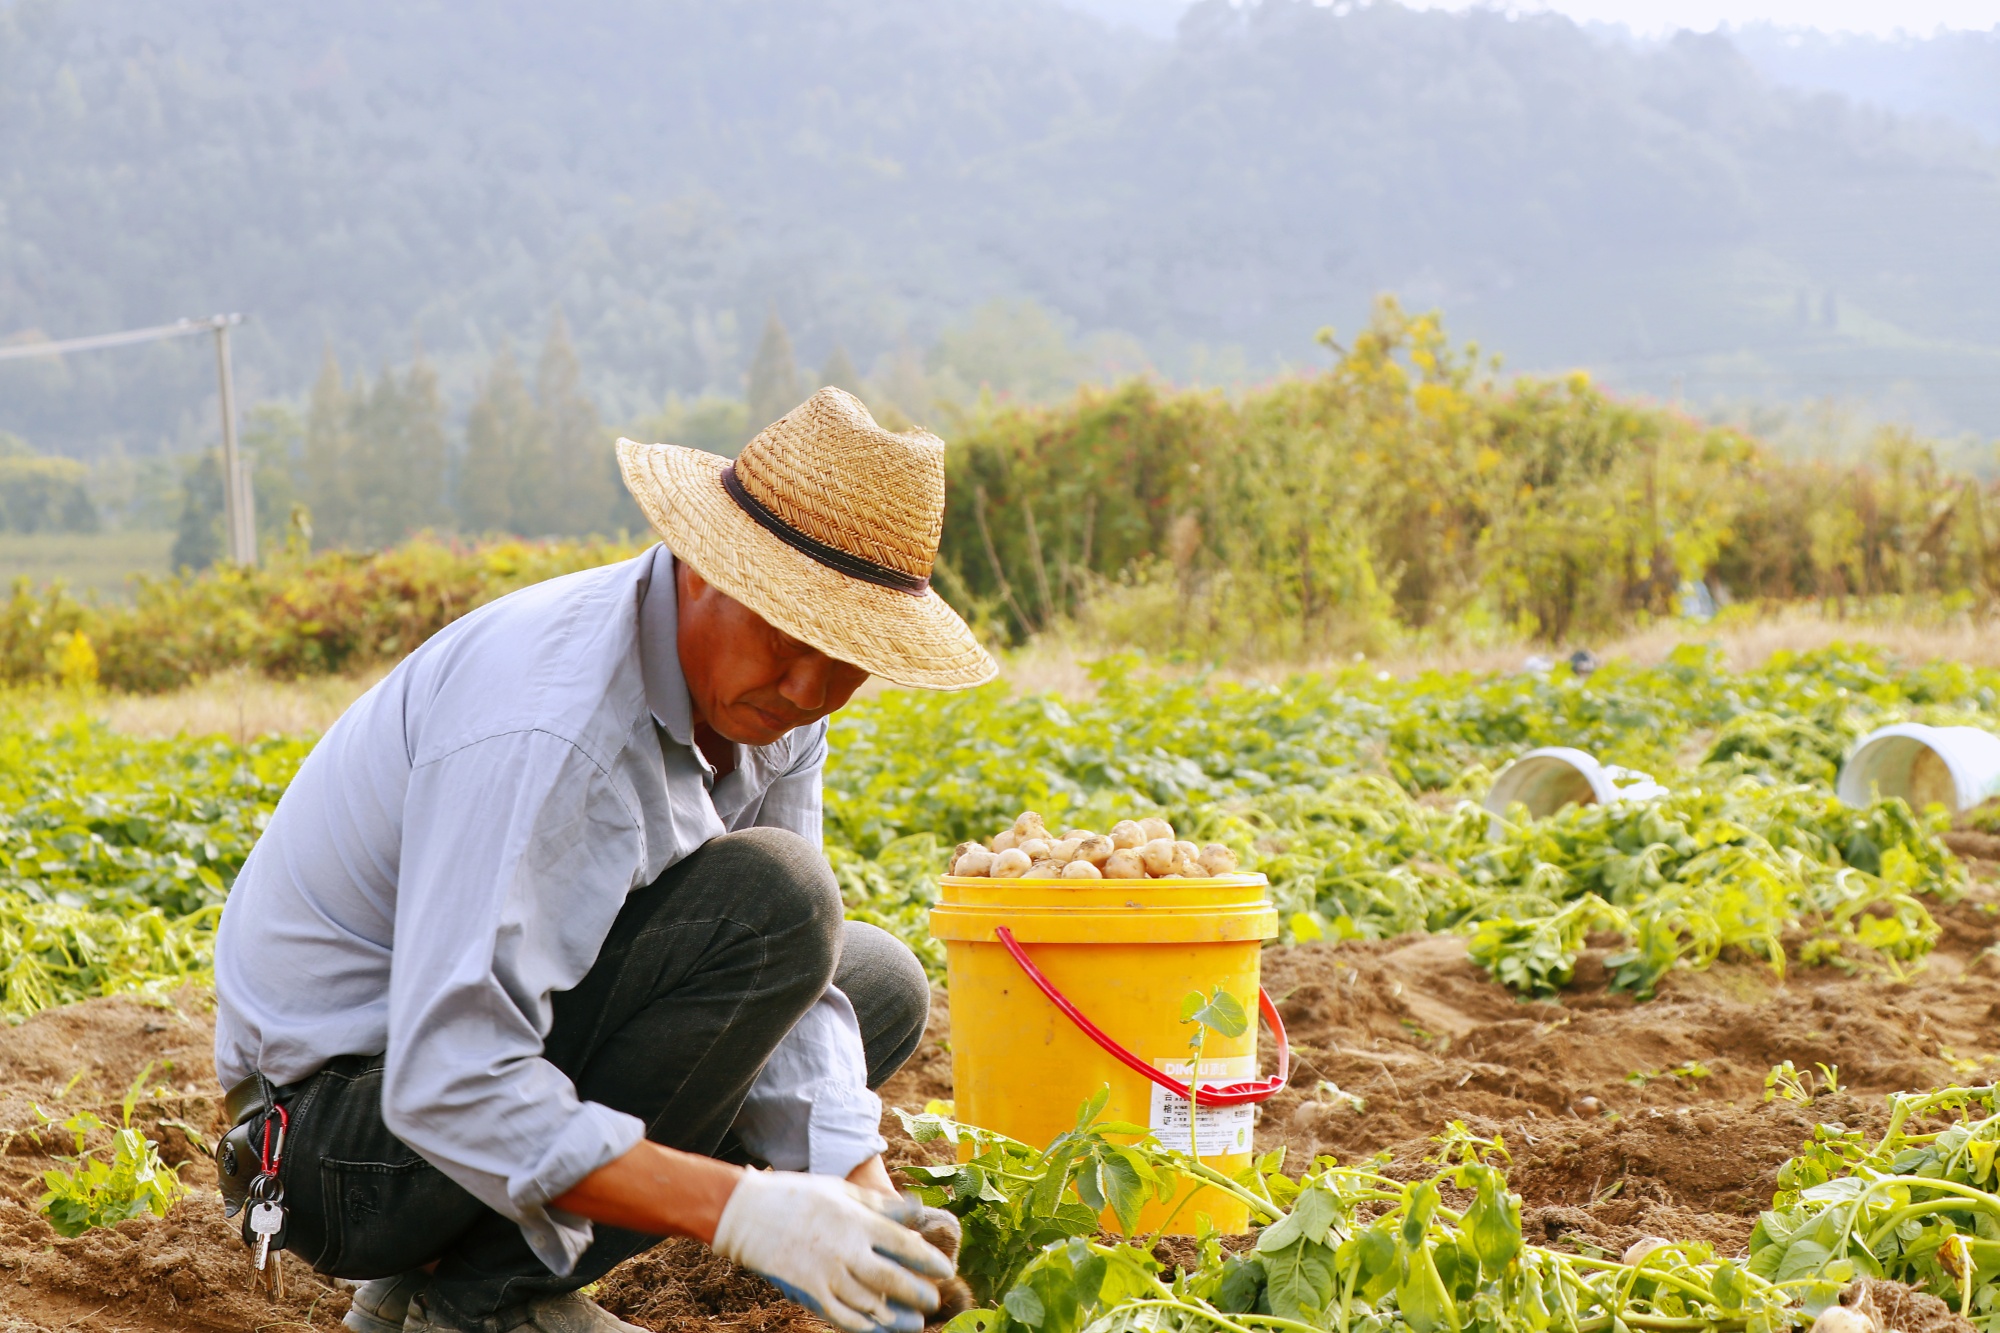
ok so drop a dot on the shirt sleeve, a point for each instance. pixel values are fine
(810, 1109)
(793, 801)
(517, 855)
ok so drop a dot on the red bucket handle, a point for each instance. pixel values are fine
(1221, 1094)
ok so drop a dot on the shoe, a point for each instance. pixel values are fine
(571, 1312)
(382, 1305)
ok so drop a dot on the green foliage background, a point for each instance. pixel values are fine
(379, 174)
(1349, 790)
(1409, 492)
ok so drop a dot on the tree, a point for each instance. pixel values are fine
(198, 544)
(271, 439)
(774, 376)
(403, 457)
(328, 461)
(586, 493)
(42, 494)
(374, 457)
(839, 371)
(501, 429)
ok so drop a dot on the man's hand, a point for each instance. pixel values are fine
(847, 1254)
(656, 1191)
(872, 1175)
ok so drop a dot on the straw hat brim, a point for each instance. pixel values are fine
(906, 639)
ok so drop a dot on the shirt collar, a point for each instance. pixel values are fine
(659, 651)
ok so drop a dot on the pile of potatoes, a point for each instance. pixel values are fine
(1134, 849)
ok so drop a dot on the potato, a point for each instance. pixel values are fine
(976, 862)
(1036, 848)
(1062, 853)
(1217, 860)
(1028, 825)
(1126, 863)
(1003, 840)
(1158, 856)
(1096, 849)
(1081, 870)
(1840, 1319)
(1126, 833)
(1636, 1252)
(1010, 864)
(1069, 833)
(1156, 828)
(1187, 860)
(957, 852)
(1043, 869)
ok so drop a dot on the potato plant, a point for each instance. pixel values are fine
(1338, 1249)
(1919, 1205)
(101, 1190)
(1355, 794)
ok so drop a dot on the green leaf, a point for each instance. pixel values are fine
(1493, 1223)
(1124, 1186)
(1802, 1258)
(1221, 1014)
(1313, 1214)
(973, 1321)
(1299, 1280)
(1726, 1283)
(1421, 1295)
(1423, 1201)
(1242, 1284)
(1023, 1304)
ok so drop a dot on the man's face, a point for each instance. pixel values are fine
(749, 681)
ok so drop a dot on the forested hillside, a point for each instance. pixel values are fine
(380, 177)
(1954, 76)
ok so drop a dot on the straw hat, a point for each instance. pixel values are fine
(827, 526)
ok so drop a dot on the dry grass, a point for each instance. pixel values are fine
(1746, 642)
(241, 705)
(237, 704)
(1752, 643)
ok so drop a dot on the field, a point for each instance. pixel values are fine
(90, 562)
(1654, 1008)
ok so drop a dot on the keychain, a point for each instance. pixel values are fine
(264, 1220)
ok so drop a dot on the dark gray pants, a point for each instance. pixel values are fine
(703, 974)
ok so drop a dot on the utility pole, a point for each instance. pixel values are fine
(238, 503)
(239, 514)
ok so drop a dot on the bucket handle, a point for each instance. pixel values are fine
(1222, 1094)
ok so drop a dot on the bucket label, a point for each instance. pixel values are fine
(1221, 1129)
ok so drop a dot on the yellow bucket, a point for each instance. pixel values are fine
(1121, 954)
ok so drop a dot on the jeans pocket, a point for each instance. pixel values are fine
(380, 1218)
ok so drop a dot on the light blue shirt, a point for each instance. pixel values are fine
(454, 851)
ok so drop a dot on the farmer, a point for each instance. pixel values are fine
(540, 952)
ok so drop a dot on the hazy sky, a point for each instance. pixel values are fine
(1882, 17)
(1875, 16)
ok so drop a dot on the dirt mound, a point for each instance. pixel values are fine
(682, 1286)
(187, 1270)
(1897, 1307)
(1622, 1120)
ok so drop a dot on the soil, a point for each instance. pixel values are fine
(1623, 1120)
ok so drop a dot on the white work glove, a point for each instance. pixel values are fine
(845, 1253)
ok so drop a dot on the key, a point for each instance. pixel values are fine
(266, 1221)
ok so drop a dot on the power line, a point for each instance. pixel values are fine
(238, 503)
(180, 328)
